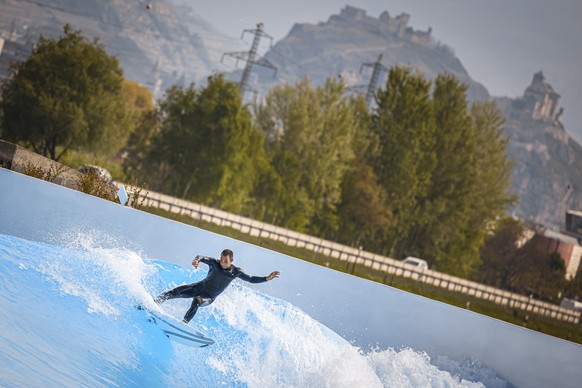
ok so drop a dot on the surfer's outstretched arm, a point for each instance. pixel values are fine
(206, 260)
(259, 279)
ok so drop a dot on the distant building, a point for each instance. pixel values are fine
(566, 246)
(542, 99)
(574, 224)
(539, 102)
(386, 24)
(566, 243)
(419, 37)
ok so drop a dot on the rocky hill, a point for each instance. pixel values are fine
(170, 44)
(548, 163)
(157, 47)
(351, 39)
(547, 174)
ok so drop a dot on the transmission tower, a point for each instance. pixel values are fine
(378, 68)
(249, 56)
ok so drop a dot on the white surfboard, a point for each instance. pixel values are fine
(179, 331)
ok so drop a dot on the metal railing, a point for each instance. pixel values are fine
(354, 256)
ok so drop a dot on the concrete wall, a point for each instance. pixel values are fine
(20, 159)
(366, 313)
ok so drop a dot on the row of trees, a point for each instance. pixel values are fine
(423, 173)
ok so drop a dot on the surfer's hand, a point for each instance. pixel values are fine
(195, 262)
(273, 275)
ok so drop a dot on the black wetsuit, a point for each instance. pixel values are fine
(205, 291)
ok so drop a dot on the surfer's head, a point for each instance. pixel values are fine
(226, 258)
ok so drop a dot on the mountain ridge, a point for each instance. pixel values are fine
(320, 50)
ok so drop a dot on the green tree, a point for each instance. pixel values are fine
(443, 168)
(65, 95)
(138, 97)
(403, 124)
(517, 260)
(139, 144)
(493, 167)
(206, 148)
(363, 210)
(490, 194)
(443, 235)
(573, 287)
(472, 179)
(308, 138)
(501, 262)
(543, 275)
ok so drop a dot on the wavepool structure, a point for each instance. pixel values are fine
(75, 267)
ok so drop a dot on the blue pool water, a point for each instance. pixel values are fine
(68, 318)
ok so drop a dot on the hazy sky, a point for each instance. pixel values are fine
(501, 43)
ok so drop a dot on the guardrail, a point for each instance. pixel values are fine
(353, 256)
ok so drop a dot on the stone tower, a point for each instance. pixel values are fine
(541, 99)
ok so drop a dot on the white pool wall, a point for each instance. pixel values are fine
(366, 313)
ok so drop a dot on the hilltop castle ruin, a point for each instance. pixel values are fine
(539, 102)
(397, 26)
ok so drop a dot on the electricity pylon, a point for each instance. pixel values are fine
(249, 56)
(378, 68)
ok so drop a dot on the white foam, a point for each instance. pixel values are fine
(271, 343)
(106, 277)
(260, 341)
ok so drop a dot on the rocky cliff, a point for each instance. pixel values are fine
(548, 166)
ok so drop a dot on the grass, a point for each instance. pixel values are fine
(568, 331)
(40, 171)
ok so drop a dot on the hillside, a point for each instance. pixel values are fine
(170, 44)
(548, 165)
(156, 47)
(350, 39)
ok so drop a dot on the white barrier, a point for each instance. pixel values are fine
(366, 313)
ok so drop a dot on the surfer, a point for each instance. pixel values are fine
(220, 274)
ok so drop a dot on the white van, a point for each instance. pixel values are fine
(415, 261)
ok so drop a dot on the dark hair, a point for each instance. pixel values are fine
(227, 252)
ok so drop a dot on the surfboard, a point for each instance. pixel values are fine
(179, 331)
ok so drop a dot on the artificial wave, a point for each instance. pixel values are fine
(74, 267)
(69, 319)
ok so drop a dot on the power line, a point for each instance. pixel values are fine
(249, 56)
